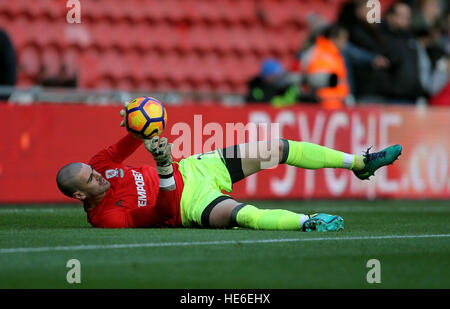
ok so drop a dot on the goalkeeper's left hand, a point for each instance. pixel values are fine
(162, 153)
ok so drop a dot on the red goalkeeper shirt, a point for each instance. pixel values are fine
(134, 199)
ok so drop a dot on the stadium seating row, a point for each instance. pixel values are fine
(191, 71)
(276, 12)
(147, 37)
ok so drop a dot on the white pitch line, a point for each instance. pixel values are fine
(210, 243)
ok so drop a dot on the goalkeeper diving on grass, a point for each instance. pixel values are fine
(189, 193)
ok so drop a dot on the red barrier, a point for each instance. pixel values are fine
(38, 139)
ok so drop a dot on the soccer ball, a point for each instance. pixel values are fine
(145, 117)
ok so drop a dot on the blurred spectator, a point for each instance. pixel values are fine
(446, 33)
(315, 24)
(360, 53)
(361, 58)
(7, 63)
(325, 57)
(427, 14)
(367, 55)
(273, 85)
(442, 98)
(433, 74)
(404, 72)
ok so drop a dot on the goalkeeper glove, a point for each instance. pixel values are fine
(122, 114)
(162, 154)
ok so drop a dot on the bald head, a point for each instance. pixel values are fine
(82, 182)
(67, 178)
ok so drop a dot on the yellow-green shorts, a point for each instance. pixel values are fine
(204, 176)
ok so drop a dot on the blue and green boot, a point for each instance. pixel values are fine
(375, 160)
(323, 223)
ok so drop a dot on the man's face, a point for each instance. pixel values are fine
(362, 10)
(91, 183)
(401, 18)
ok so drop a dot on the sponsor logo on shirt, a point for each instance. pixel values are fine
(114, 173)
(140, 186)
(111, 173)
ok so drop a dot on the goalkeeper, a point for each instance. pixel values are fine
(189, 193)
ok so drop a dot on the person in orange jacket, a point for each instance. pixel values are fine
(325, 57)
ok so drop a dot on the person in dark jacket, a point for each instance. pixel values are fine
(404, 74)
(369, 78)
(7, 64)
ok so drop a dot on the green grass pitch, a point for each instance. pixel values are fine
(411, 240)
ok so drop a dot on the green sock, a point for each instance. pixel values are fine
(267, 219)
(312, 156)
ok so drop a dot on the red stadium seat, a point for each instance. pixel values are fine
(105, 83)
(47, 9)
(258, 42)
(89, 70)
(51, 61)
(174, 64)
(214, 70)
(9, 8)
(29, 62)
(171, 10)
(6, 23)
(133, 12)
(184, 43)
(297, 12)
(152, 10)
(245, 10)
(220, 39)
(19, 7)
(18, 34)
(200, 39)
(133, 67)
(121, 37)
(190, 12)
(207, 13)
(112, 65)
(113, 11)
(154, 68)
(277, 45)
(70, 61)
(60, 32)
(55, 11)
(125, 84)
(196, 70)
(100, 34)
(239, 39)
(162, 37)
(140, 37)
(79, 36)
(93, 11)
(236, 69)
(275, 12)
